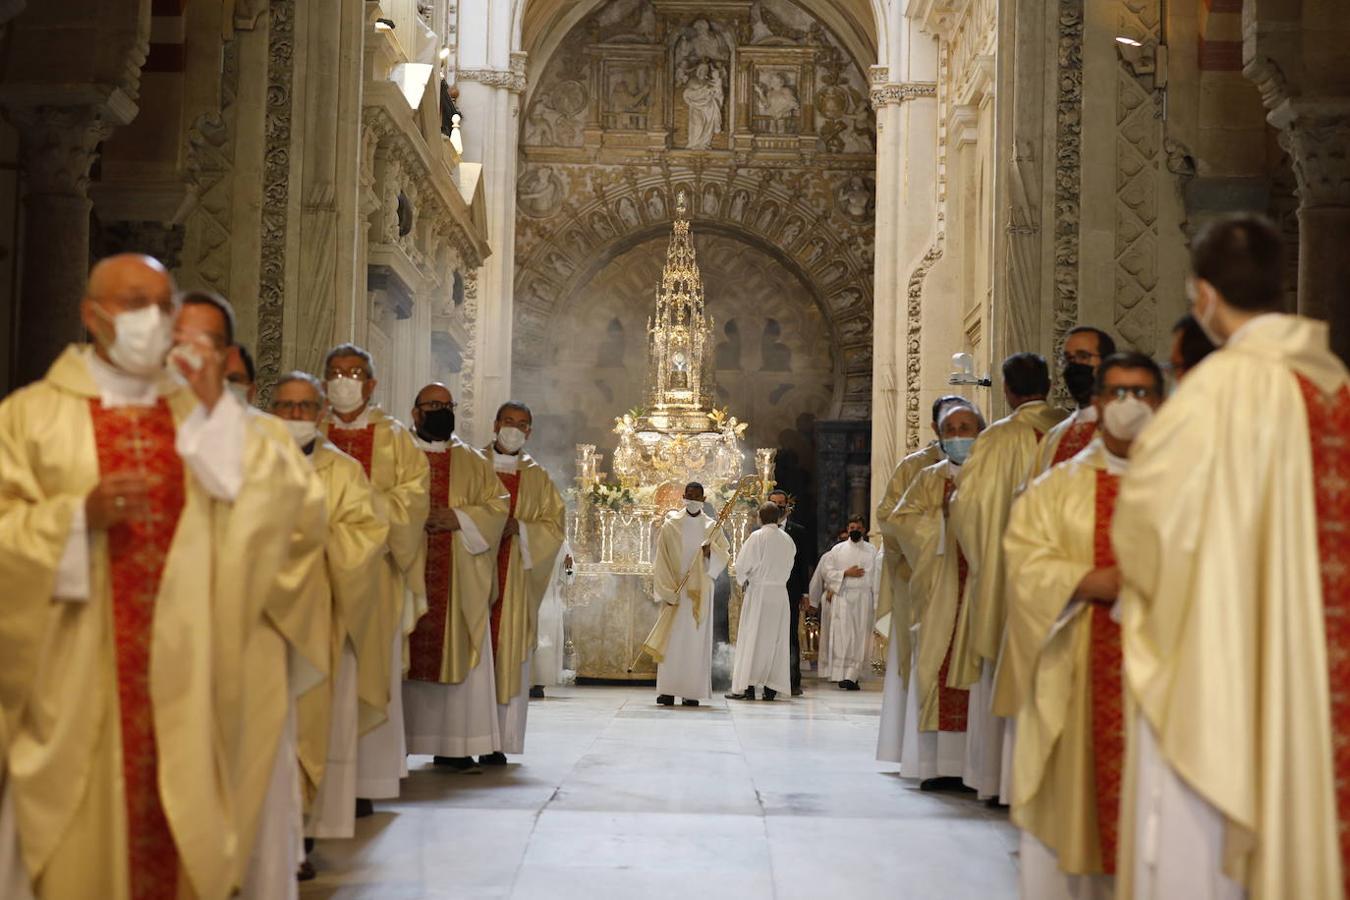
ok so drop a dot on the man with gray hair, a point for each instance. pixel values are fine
(763, 567)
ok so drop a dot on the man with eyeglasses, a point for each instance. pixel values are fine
(893, 595)
(398, 473)
(346, 589)
(1233, 527)
(127, 493)
(997, 469)
(1063, 584)
(450, 692)
(1084, 349)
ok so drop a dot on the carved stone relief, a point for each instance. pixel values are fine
(1068, 165)
(276, 190)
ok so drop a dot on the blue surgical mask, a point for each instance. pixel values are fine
(957, 449)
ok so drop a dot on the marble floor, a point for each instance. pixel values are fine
(617, 798)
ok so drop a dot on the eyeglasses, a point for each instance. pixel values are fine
(1079, 356)
(1138, 391)
(435, 405)
(357, 373)
(308, 407)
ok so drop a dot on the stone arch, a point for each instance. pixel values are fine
(801, 236)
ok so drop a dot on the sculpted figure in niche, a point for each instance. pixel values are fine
(712, 200)
(629, 104)
(704, 92)
(776, 98)
(791, 232)
(855, 199)
(738, 204)
(768, 215)
(656, 205)
(628, 214)
(601, 226)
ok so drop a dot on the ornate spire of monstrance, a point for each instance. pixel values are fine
(679, 349)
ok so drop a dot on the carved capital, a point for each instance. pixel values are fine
(895, 94)
(1316, 144)
(59, 143)
(513, 79)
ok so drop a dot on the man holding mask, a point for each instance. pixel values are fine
(528, 548)
(111, 472)
(1063, 583)
(450, 692)
(398, 473)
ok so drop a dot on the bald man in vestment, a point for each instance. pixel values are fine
(1063, 583)
(999, 462)
(399, 475)
(450, 693)
(1232, 531)
(146, 517)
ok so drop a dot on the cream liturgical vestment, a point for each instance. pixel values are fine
(763, 567)
(852, 608)
(681, 639)
(547, 665)
(524, 564)
(450, 692)
(1070, 730)
(1231, 529)
(1066, 440)
(398, 474)
(123, 686)
(893, 597)
(348, 584)
(1000, 462)
(936, 719)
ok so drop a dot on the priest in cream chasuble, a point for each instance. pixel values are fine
(1231, 532)
(681, 640)
(1063, 584)
(893, 595)
(145, 523)
(398, 473)
(530, 541)
(450, 692)
(347, 586)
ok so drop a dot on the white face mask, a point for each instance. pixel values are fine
(240, 392)
(1125, 419)
(303, 430)
(510, 439)
(346, 394)
(142, 339)
(693, 507)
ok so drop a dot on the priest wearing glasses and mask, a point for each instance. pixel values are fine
(112, 471)
(398, 474)
(690, 552)
(450, 694)
(1063, 584)
(529, 546)
(347, 590)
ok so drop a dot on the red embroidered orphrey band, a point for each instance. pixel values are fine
(426, 645)
(141, 440)
(1106, 690)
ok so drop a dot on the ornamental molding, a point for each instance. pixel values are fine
(276, 191)
(895, 94)
(1068, 166)
(513, 79)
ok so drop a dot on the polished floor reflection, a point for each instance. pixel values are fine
(618, 798)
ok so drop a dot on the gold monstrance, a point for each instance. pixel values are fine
(680, 380)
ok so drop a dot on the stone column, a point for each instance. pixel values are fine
(858, 483)
(1316, 137)
(58, 144)
(490, 99)
(909, 235)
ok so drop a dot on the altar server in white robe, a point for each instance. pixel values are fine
(852, 573)
(1231, 532)
(547, 665)
(681, 640)
(763, 567)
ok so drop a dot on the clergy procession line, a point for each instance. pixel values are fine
(1129, 622)
(225, 631)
